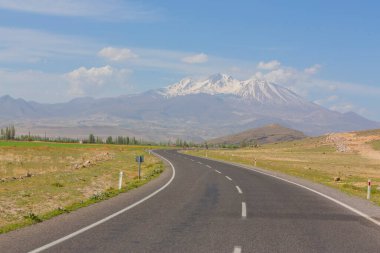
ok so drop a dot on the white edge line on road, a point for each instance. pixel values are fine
(80, 231)
(218, 171)
(239, 190)
(237, 249)
(243, 210)
(208, 166)
(352, 209)
(229, 178)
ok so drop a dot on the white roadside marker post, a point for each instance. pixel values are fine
(120, 179)
(255, 161)
(369, 189)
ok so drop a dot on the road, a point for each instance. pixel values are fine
(216, 207)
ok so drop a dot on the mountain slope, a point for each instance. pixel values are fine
(267, 134)
(190, 109)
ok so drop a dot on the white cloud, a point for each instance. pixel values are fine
(327, 100)
(197, 58)
(89, 81)
(105, 10)
(280, 76)
(300, 81)
(271, 65)
(343, 107)
(313, 69)
(117, 54)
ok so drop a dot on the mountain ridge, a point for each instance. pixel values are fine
(215, 106)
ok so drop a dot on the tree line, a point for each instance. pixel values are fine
(9, 133)
(119, 140)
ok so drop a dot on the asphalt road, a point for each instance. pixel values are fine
(215, 207)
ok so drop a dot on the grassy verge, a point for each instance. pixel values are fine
(42, 180)
(311, 159)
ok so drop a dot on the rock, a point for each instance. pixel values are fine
(87, 163)
(29, 174)
(336, 179)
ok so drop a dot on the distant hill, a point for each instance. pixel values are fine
(267, 134)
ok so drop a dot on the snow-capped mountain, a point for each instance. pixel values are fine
(190, 109)
(260, 91)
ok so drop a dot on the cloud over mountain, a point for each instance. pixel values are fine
(197, 58)
(87, 80)
(117, 54)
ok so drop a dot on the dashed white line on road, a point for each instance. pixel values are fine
(200, 163)
(237, 249)
(218, 171)
(229, 178)
(239, 190)
(243, 210)
(208, 166)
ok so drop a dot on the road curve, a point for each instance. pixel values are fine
(216, 207)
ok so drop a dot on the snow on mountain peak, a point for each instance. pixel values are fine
(257, 90)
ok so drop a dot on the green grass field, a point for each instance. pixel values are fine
(313, 159)
(40, 180)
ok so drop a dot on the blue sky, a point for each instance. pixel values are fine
(326, 51)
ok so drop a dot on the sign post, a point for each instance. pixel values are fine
(139, 159)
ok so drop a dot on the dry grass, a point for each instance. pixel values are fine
(37, 178)
(376, 145)
(315, 159)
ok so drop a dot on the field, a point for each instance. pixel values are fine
(39, 180)
(376, 145)
(315, 159)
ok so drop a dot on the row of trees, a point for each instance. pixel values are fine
(8, 133)
(126, 140)
(47, 139)
(120, 140)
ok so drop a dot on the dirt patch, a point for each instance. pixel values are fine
(88, 162)
(352, 142)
